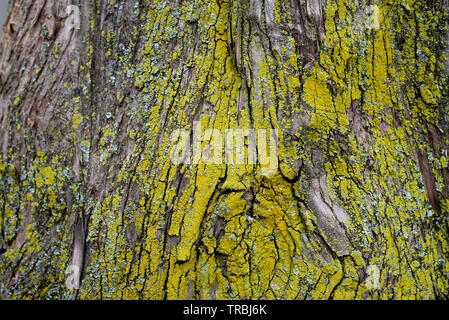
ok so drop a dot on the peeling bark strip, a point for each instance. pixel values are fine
(429, 181)
(308, 28)
(87, 115)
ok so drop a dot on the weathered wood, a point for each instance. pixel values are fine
(356, 96)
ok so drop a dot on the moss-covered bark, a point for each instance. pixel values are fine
(357, 92)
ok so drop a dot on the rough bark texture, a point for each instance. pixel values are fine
(357, 209)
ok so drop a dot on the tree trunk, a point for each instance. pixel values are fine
(352, 94)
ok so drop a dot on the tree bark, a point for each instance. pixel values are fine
(357, 93)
